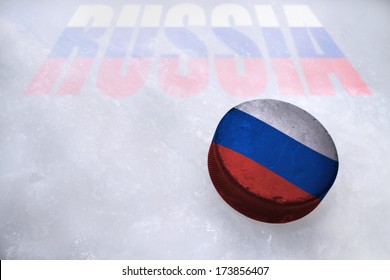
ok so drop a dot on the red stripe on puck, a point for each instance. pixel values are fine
(254, 190)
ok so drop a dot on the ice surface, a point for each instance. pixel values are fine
(95, 177)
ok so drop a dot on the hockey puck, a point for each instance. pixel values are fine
(272, 161)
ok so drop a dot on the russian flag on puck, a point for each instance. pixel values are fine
(272, 161)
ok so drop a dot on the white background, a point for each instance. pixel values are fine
(277, 269)
(93, 177)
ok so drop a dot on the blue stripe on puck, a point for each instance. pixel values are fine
(290, 159)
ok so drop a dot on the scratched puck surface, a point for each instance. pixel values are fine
(272, 161)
